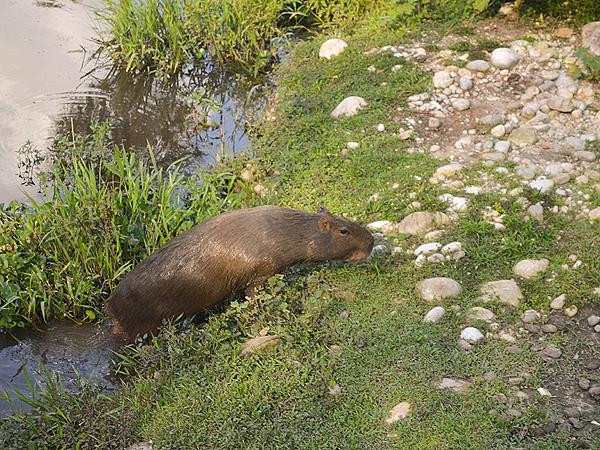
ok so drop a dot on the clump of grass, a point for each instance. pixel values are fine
(60, 257)
(591, 64)
(576, 12)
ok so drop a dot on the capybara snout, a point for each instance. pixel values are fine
(226, 255)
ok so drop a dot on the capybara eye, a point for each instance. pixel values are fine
(344, 231)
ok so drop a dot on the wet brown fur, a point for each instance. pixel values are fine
(227, 255)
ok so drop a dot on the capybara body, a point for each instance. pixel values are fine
(227, 255)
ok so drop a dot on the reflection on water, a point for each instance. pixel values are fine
(64, 348)
(50, 87)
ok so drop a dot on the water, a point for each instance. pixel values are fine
(49, 87)
(64, 348)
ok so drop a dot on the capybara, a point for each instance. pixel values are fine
(226, 255)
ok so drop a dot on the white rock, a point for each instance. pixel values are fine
(595, 214)
(352, 145)
(398, 412)
(427, 249)
(436, 258)
(381, 128)
(434, 314)
(530, 316)
(465, 83)
(461, 104)
(590, 37)
(331, 48)
(459, 386)
(452, 247)
(479, 313)
(449, 170)
(478, 66)
(349, 106)
(421, 222)
(530, 268)
(536, 211)
(471, 335)
(506, 292)
(543, 185)
(504, 58)
(558, 302)
(455, 203)
(442, 79)
(544, 392)
(498, 131)
(385, 226)
(439, 288)
(570, 311)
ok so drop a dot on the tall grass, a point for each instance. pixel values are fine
(61, 257)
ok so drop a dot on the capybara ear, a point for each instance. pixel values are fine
(323, 210)
(324, 224)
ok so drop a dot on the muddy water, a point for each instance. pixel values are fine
(50, 86)
(63, 348)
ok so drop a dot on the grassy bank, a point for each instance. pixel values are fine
(353, 343)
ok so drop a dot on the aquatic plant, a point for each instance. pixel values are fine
(103, 209)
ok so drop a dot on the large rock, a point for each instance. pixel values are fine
(478, 65)
(561, 104)
(595, 214)
(479, 313)
(530, 268)
(449, 170)
(421, 222)
(504, 58)
(434, 314)
(590, 37)
(523, 136)
(437, 288)
(442, 79)
(349, 106)
(506, 292)
(331, 48)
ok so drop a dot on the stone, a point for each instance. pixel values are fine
(427, 249)
(584, 383)
(461, 104)
(478, 313)
(331, 48)
(506, 292)
(436, 258)
(593, 320)
(590, 37)
(573, 144)
(459, 386)
(558, 302)
(334, 390)
(523, 136)
(491, 120)
(471, 335)
(452, 247)
(449, 170)
(502, 146)
(398, 412)
(438, 288)
(498, 131)
(141, 446)
(453, 202)
(552, 352)
(542, 184)
(561, 104)
(530, 316)
(536, 211)
(260, 343)
(564, 33)
(352, 145)
(384, 226)
(526, 172)
(434, 314)
(571, 311)
(434, 123)
(442, 79)
(504, 58)
(595, 214)
(530, 268)
(465, 83)
(584, 155)
(549, 328)
(349, 107)
(421, 222)
(478, 65)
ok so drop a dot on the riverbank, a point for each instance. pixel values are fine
(356, 365)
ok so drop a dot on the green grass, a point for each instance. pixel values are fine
(103, 209)
(190, 388)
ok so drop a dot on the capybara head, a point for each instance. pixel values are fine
(348, 241)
